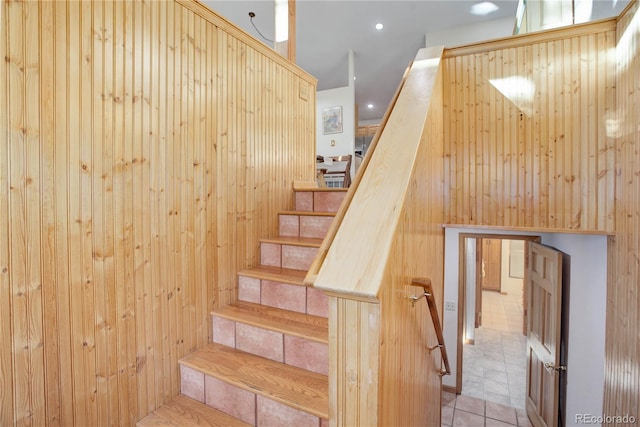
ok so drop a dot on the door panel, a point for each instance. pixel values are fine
(491, 264)
(544, 287)
(478, 322)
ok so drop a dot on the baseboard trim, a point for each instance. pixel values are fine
(449, 389)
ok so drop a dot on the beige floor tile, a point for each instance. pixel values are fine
(448, 399)
(447, 415)
(470, 404)
(467, 419)
(500, 412)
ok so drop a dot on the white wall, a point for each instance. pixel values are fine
(337, 144)
(588, 296)
(344, 141)
(511, 285)
(472, 33)
(588, 283)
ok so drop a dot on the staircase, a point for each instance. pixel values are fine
(268, 362)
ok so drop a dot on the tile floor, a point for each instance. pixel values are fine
(494, 367)
(466, 411)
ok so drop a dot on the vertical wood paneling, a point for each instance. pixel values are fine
(48, 223)
(543, 160)
(622, 360)
(16, 256)
(134, 184)
(353, 391)
(7, 395)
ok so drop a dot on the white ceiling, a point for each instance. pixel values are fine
(328, 29)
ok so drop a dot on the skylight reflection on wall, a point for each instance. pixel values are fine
(627, 47)
(517, 89)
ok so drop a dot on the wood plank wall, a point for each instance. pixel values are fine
(622, 349)
(538, 155)
(145, 147)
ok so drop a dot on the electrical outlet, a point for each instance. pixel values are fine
(333, 142)
(450, 306)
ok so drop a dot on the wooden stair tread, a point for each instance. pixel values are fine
(308, 213)
(310, 242)
(184, 411)
(275, 274)
(322, 190)
(294, 387)
(313, 328)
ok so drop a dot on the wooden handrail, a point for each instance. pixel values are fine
(312, 273)
(433, 309)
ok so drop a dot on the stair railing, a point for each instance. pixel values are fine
(433, 309)
(390, 231)
(312, 273)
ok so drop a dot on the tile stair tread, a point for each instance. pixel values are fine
(294, 241)
(275, 274)
(295, 387)
(313, 328)
(308, 213)
(182, 411)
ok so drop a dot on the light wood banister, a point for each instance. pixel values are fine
(388, 232)
(368, 219)
(433, 309)
(335, 225)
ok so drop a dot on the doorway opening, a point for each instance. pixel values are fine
(492, 318)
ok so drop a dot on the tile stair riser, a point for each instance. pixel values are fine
(245, 405)
(287, 255)
(297, 298)
(315, 201)
(315, 226)
(327, 202)
(298, 257)
(277, 346)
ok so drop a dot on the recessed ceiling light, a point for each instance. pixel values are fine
(354, 77)
(484, 8)
(379, 26)
(370, 106)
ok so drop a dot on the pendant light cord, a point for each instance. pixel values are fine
(251, 16)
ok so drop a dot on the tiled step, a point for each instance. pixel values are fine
(182, 411)
(305, 224)
(256, 390)
(291, 252)
(285, 336)
(319, 199)
(281, 288)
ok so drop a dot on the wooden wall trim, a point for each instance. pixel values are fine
(533, 38)
(531, 229)
(227, 26)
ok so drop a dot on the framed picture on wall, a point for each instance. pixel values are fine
(331, 120)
